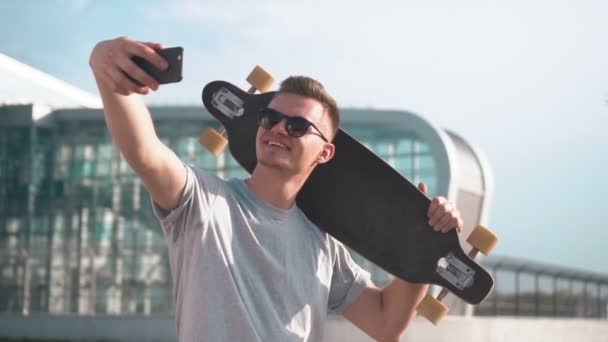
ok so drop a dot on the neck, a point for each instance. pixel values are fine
(275, 186)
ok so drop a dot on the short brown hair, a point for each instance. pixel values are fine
(308, 87)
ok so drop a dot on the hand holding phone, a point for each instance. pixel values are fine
(173, 73)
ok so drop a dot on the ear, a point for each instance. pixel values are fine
(327, 153)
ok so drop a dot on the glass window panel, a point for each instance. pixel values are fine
(404, 164)
(404, 146)
(104, 152)
(426, 162)
(421, 147)
(104, 168)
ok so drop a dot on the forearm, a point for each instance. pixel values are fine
(131, 127)
(399, 302)
(384, 314)
(119, 79)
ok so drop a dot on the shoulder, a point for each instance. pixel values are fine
(203, 175)
(335, 246)
(207, 181)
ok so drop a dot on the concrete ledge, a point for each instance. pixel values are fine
(505, 329)
(89, 328)
(162, 328)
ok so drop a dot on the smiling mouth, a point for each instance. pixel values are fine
(276, 144)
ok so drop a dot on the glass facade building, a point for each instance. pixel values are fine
(77, 233)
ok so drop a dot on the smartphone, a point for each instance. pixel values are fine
(172, 74)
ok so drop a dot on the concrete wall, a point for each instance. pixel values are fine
(89, 328)
(477, 329)
(453, 328)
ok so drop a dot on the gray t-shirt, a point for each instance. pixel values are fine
(244, 270)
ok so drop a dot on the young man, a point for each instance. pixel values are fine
(247, 264)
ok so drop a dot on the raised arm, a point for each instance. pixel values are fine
(129, 120)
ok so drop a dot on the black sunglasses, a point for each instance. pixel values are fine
(296, 126)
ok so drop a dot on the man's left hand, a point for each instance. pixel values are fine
(443, 215)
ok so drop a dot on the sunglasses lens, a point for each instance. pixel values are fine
(269, 118)
(297, 126)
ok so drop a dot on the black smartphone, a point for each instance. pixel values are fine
(172, 74)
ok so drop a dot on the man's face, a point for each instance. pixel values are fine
(275, 148)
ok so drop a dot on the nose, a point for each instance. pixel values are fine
(280, 127)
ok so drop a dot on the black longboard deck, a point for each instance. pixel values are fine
(361, 201)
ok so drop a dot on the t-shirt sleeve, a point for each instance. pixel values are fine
(348, 279)
(197, 197)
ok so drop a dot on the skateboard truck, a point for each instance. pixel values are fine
(456, 273)
(228, 103)
(232, 106)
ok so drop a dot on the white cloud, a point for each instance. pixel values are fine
(77, 6)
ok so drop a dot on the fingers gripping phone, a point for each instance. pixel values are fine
(172, 74)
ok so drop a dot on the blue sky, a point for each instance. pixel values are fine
(524, 81)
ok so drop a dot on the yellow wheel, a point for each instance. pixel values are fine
(483, 239)
(213, 141)
(260, 79)
(432, 309)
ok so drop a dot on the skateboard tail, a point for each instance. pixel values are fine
(462, 276)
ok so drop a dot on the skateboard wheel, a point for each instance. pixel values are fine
(483, 239)
(432, 309)
(260, 79)
(213, 141)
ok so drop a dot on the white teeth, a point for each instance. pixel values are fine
(274, 143)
